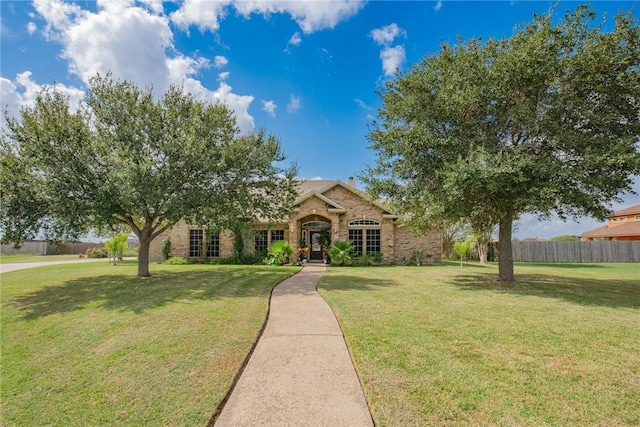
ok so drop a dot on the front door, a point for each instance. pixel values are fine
(316, 247)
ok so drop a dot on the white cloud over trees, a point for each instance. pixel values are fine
(392, 56)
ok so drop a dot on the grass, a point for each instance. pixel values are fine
(91, 344)
(445, 345)
(18, 259)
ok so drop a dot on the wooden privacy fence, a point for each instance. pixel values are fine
(37, 247)
(597, 251)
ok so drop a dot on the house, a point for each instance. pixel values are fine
(323, 207)
(623, 225)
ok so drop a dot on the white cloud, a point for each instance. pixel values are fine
(295, 40)
(135, 43)
(31, 27)
(223, 76)
(362, 104)
(392, 58)
(220, 61)
(387, 34)
(204, 14)
(269, 107)
(438, 6)
(24, 91)
(294, 104)
(311, 16)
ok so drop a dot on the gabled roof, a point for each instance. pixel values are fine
(623, 230)
(631, 210)
(317, 188)
(335, 207)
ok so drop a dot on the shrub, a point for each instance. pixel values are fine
(177, 260)
(97, 253)
(340, 252)
(279, 253)
(166, 249)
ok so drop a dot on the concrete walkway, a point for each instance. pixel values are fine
(300, 373)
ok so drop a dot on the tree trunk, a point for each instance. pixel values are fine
(505, 260)
(143, 256)
(483, 249)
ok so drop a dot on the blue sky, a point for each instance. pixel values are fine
(306, 71)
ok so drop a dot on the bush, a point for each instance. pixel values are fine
(340, 252)
(178, 260)
(278, 253)
(166, 249)
(130, 253)
(97, 253)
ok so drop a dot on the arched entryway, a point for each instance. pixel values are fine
(313, 229)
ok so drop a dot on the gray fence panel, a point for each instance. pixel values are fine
(599, 251)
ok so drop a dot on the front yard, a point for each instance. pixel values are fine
(91, 344)
(445, 345)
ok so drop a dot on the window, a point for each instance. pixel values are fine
(277, 235)
(355, 237)
(317, 224)
(363, 223)
(195, 243)
(373, 241)
(261, 241)
(213, 246)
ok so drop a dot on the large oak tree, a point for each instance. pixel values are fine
(125, 157)
(546, 121)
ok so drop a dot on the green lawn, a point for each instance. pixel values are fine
(91, 344)
(445, 345)
(18, 259)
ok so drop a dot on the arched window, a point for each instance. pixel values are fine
(317, 224)
(364, 223)
(364, 234)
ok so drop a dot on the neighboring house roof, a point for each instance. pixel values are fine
(631, 210)
(628, 229)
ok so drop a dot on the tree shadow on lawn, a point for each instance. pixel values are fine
(595, 292)
(347, 282)
(126, 292)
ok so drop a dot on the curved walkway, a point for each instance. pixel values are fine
(300, 372)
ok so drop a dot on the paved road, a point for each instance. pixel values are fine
(300, 373)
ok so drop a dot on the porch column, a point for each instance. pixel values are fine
(335, 227)
(293, 233)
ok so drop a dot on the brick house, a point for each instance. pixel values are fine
(623, 225)
(322, 206)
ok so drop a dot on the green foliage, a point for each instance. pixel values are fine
(340, 252)
(565, 238)
(178, 260)
(543, 122)
(116, 245)
(417, 256)
(279, 253)
(462, 250)
(377, 257)
(127, 157)
(97, 253)
(165, 248)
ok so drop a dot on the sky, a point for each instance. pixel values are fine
(307, 72)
